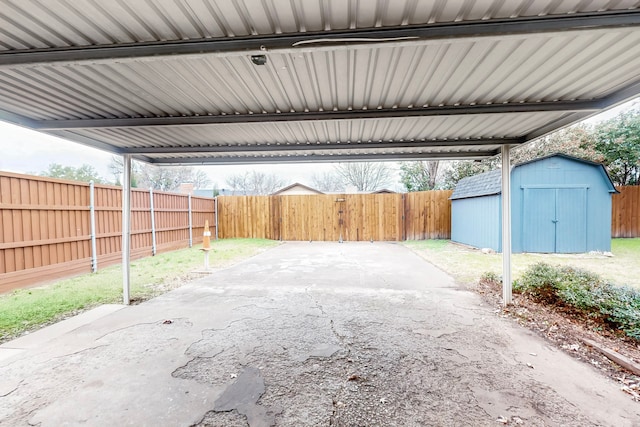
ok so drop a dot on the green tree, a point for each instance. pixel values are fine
(615, 143)
(618, 140)
(464, 168)
(577, 141)
(84, 173)
(419, 176)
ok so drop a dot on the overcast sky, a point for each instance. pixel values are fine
(30, 152)
(26, 151)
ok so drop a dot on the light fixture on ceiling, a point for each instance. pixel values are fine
(259, 59)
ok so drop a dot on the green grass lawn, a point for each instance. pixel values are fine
(467, 265)
(27, 309)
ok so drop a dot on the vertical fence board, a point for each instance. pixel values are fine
(378, 217)
(625, 212)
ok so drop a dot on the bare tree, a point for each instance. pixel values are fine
(200, 179)
(365, 176)
(256, 183)
(163, 178)
(116, 166)
(262, 183)
(328, 181)
(238, 183)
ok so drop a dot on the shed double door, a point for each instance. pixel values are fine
(555, 220)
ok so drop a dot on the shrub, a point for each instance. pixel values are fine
(490, 277)
(584, 291)
(540, 281)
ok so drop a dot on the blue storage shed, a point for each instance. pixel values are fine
(559, 204)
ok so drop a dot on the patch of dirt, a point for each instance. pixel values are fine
(566, 328)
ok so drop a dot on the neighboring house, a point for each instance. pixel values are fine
(384, 191)
(559, 204)
(296, 189)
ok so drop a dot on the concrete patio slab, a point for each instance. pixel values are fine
(39, 337)
(306, 334)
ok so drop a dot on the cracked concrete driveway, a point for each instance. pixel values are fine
(305, 334)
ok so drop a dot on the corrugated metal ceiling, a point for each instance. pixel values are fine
(482, 126)
(547, 67)
(29, 24)
(416, 88)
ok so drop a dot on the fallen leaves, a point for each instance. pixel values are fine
(568, 331)
(631, 386)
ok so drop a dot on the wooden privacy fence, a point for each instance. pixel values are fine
(625, 212)
(352, 217)
(411, 216)
(46, 226)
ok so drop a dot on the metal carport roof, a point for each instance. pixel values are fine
(173, 81)
(180, 81)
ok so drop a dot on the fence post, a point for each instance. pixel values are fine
(92, 219)
(153, 224)
(215, 208)
(190, 223)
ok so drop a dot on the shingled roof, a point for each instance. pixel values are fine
(490, 183)
(484, 184)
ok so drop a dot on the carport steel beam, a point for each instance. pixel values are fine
(319, 158)
(378, 113)
(478, 28)
(315, 146)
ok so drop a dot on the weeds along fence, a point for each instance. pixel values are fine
(350, 217)
(625, 212)
(46, 226)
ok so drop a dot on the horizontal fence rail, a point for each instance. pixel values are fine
(350, 217)
(46, 226)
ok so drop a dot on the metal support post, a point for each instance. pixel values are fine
(506, 225)
(126, 229)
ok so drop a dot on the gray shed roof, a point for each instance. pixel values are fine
(179, 81)
(490, 183)
(483, 184)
